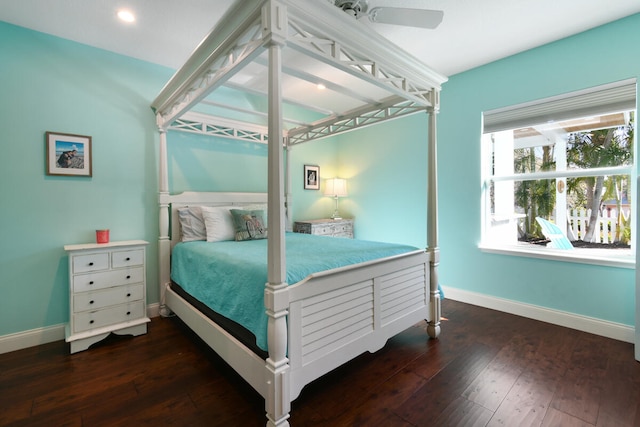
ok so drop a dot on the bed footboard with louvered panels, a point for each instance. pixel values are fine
(339, 314)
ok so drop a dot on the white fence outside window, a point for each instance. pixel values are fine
(606, 228)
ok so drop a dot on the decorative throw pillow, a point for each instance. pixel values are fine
(218, 223)
(192, 224)
(263, 206)
(255, 207)
(249, 224)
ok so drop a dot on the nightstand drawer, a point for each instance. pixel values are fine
(127, 258)
(90, 262)
(108, 316)
(343, 228)
(325, 227)
(323, 230)
(108, 297)
(107, 279)
(302, 227)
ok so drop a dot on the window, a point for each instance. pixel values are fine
(558, 173)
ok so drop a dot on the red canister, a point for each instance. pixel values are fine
(102, 236)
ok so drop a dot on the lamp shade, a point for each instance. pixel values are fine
(336, 187)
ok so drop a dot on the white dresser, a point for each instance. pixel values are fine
(107, 291)
(325, 227)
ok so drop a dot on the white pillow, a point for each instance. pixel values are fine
(218, 223)
(192, 224)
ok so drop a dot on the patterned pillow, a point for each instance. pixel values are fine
(192, 224)
(249, 224)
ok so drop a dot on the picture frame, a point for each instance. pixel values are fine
(68, 154)
(311, 177)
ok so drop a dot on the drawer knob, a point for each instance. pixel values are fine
(129, 294)
(128, 277)
(90, 263)
(91, 322)
(91, 302)
(128, 313)
(127, 259)
(91, 282)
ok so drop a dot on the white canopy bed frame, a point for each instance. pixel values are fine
(376, 82)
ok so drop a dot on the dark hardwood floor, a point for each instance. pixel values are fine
(487, 369)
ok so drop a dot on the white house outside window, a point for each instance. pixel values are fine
(558, 175)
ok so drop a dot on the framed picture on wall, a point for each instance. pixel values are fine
(311, 177)
(68, 154)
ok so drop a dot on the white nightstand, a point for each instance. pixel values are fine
(107, 291)
(326, 227)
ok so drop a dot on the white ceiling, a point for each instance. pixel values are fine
(473, 32)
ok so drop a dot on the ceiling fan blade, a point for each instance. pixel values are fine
(421, 18)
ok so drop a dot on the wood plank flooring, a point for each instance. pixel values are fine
(487, 369)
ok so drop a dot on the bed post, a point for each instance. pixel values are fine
(164, 242)
(288, 198)
(277, 399)
(433, 328)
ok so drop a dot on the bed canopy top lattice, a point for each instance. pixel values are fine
(223, 89)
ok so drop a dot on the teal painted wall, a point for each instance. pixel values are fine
(312, 204)
(387, 176)
(387, 180)
(50, 84)
(204, 163)
(596, 57)
(386, 168)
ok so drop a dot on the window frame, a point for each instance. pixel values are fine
(600, 100)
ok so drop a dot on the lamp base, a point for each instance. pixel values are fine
(336, 215)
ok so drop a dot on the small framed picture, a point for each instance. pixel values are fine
(68, 154)
(311, 177)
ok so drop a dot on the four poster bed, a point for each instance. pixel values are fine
(310, 320)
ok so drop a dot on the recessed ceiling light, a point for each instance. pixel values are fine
(126, 15)
(321, 86)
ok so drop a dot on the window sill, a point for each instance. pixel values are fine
(621, 258)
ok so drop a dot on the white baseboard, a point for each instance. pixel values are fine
(617, 331)
(153, 310)
(39, 336)
(20, 340)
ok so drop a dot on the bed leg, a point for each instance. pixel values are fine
(164, 310)
(433, 327)
(277, 401)
(278, 395)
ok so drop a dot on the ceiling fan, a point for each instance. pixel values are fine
(421, 18)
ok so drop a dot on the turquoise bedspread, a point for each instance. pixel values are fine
(230, 277)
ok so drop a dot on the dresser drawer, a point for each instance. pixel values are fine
(90, 262)
(107, 279)
(107, 297)
(121, 259)
(108, 316)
